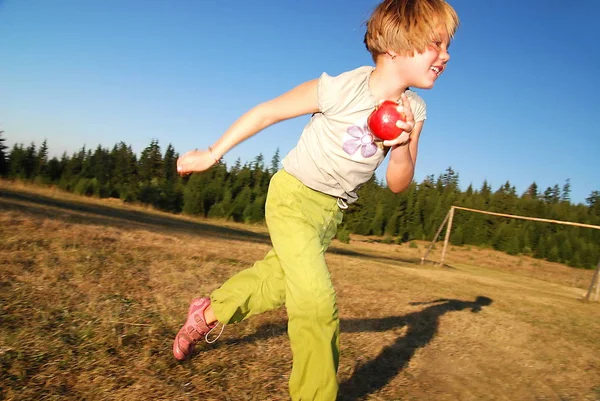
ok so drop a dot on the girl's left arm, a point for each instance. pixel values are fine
(403, 158)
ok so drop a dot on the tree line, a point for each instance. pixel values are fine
(238, 193)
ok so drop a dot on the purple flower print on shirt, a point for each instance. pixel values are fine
(361, 138)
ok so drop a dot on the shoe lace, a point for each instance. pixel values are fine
(208, 341)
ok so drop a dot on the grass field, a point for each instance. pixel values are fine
(92, 293)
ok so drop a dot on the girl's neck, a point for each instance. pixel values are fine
(385, 83)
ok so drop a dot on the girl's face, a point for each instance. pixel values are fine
(423, 69)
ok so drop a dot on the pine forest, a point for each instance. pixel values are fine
(238, 193)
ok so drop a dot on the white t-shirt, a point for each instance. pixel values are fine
(337, 153)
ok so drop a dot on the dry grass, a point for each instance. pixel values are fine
(92, 293)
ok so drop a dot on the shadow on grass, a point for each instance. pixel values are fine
(370, 257)
(421, 328)
(75, 212)
(87, 213)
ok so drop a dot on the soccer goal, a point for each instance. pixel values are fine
(594, 289)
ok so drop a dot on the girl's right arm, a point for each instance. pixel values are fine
(297, 102)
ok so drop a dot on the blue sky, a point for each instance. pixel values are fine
(517, 103)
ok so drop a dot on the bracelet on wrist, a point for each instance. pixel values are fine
(215, 158)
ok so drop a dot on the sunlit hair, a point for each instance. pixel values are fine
(406, 26)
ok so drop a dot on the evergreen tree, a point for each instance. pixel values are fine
(428, 199)
(469, 192)
(259, 177)
(242, 179)
(215, 186)
(237, 167)
(377, 221)
(193, 201)
(566, 191)
(450, 179)
(73, 169)
(170, 190)
(541, 250)
(101, 168)
(240, 202)
(16, 160)
(593, 202)
(553, 254)
(552, 194)
(170, 165)
(222, 209)
(3, 156)
(55, 170)
(150, 163)
(412, 227)
(150, 174)
(532, 192)
(255, 211)
(486, 193)
(504, 200)
(124, 179)
(275, 161)
(42, 161)
(259, 163)
(87, 165)
(30, 162)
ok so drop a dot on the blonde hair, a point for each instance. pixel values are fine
(406, 26)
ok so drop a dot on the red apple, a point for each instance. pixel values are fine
(382, 121)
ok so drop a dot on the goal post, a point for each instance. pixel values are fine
(595, 283)
(450, 217)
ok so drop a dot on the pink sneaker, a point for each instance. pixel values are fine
(193, 330)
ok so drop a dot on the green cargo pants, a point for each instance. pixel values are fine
(301, 224)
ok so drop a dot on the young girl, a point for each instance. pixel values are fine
(335, 155)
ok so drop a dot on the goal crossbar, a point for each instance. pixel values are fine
(568, 223)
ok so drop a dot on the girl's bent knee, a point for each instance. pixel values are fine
(323, 306)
